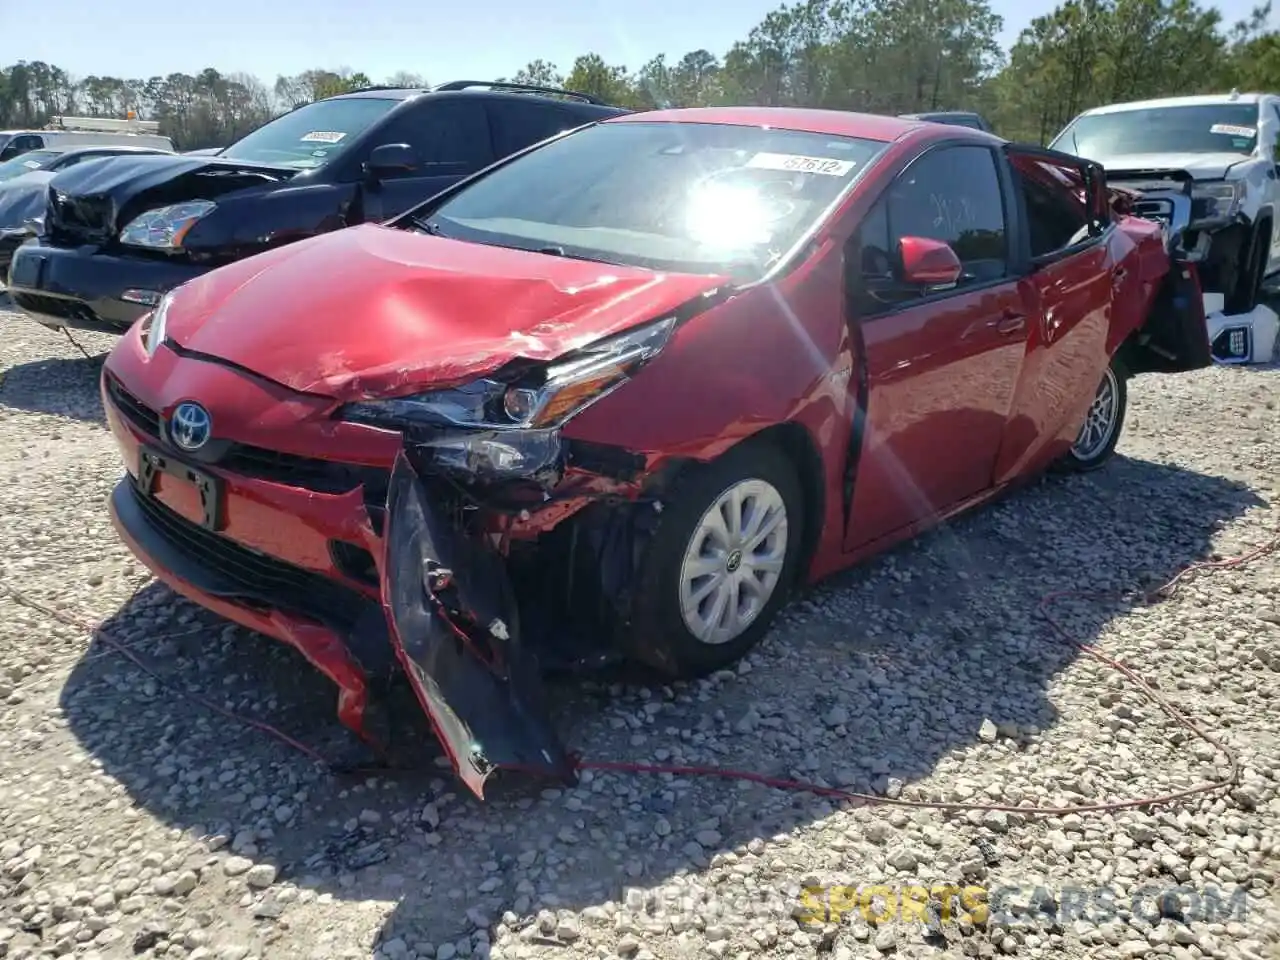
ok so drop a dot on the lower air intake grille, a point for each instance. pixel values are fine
(289, 587)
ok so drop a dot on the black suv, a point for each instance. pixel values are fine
(119, 233)
(957, 118)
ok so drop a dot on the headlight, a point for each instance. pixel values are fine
(154, 333)
(1216, 202)
(564, 388)
(513, 428)
(165, 227)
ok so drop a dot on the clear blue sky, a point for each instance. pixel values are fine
(441, 40)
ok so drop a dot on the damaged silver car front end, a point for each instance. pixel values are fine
(1235, 338)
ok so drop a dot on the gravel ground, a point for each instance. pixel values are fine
(133, 821)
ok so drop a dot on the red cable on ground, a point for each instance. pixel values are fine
(782, 783)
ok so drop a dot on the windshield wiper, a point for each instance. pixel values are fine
(429, 227)
(555, 250)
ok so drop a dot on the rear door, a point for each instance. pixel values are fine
(450, 137)
(941, 364)
(1077, 275)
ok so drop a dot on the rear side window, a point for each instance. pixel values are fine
(449, 136)
(518, 125)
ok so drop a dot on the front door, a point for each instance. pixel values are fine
(941, 365)
(451, 140)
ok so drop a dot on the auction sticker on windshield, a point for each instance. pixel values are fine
(1232, 130)
(323, 136)
(798, 164)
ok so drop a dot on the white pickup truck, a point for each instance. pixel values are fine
(1206, 166)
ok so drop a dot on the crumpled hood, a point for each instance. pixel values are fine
(373, 311)
(23, 197)
(104, 193)
(1201, 166)
(126, 175)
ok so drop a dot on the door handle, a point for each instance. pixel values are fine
(1010, 322)
(1118, 275)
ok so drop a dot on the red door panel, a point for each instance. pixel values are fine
(1066, 354)
(941, 379)
(1072, 285)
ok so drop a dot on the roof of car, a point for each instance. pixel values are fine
(381, 93)
(1203, 100)
(471, 89)
(97, 148)
(837, 123)
(938, 113)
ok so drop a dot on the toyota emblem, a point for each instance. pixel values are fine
(190, 426)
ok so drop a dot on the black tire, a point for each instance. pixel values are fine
(1095, 456)
(1248, 287)
(658, 633)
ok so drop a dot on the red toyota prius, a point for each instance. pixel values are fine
(616, 396)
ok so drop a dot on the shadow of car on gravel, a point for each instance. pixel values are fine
(870, 682)
(66, 386)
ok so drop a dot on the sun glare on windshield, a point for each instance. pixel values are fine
(725, 218)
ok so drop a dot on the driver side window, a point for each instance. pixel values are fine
(951, 195)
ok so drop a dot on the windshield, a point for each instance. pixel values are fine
(25, 163)
(312, 135)
(697, 198)
(1203, 128)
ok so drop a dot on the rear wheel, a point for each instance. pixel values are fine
(720, 564)
(1100, 431)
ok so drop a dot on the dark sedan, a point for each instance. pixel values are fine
(24, 188)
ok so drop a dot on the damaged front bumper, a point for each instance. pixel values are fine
(455, 627)
(455, 607)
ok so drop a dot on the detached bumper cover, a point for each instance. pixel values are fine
(455, 628)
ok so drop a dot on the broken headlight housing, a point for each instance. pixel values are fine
(153, 334)
(1216, 202)
(164, 228)
(511, 427)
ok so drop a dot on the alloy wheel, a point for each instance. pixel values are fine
(1100, 424)
(733, 561)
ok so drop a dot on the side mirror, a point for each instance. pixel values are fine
(389, 159)
(928, 263)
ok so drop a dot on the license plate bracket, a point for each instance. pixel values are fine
(152, 462)
(26, 270)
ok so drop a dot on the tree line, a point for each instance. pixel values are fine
(878, 56)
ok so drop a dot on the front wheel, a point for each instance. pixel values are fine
(720, 564)
(1100, 432)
